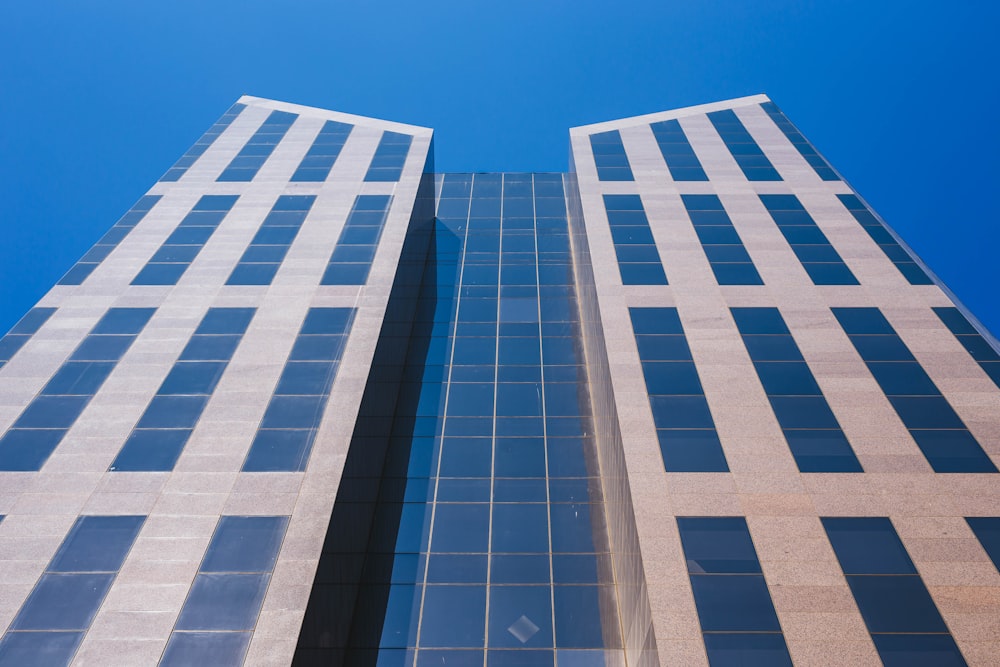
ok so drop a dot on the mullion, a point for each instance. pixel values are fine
(326, 147)
(254, 154)
(806, 239)
(677, 152)
(892, 249)
(638, 258)
(295, 208)
(743, 148)
(361, 233)
(610, 157)
(719, 238)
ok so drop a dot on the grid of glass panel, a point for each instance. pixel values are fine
(170, 262)
(60, 608)
(352, 256)
(254, 154)
(609, 157)
(971, 340)
(889, 245)
(267, 249)
(191, 156)
(820, 259)
(987, 531)
(168, 421)
(684, 424)
(937, 429)
(748, 155)
(677, 152)
(323, 153)
(43, 424)
(813, 434)
(738, 621)
(638, 259)
(815, 160)
(901, 616)
(722, 244)
(285, 437)
(22, 332)
(390, 156)
(82, 269)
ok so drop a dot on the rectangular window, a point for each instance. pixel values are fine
(638, 259)
(165, 426)
(191, 156)
(285, 437)
(43, 424)
(937, 429)
(886, 241)
(323, 153)
(352, 256)
(267, 249)
(170, 262)
(901, 617)
(390, 156)
(723, 246)
(677, 152)
(748, 155)
(684, 424)
(977, 346)
(809, 426)
(737, 616)
(609, 157)
(815, 160)
(987, 531)
(83, 268)
(820, 259)
(254, 154)
(22, 332)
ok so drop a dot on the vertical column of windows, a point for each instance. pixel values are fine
(889, 245)
(820, 259)
(901, 617)
(167, 423)
(738, 621)
(971, 340)
(22, 332)
(937, 429)
(191, 156)
(390, 156)
(813, 434)
(323, 153)
(638, 259)
(748, 155)
(609, 157)
(286, 433)
(267, 249)
(254, 154)
(43, 424)
(987, 531)
(172, 259)
(815, 160)
(352, 256)
(677, 152)
(722, 244)
(684, 424)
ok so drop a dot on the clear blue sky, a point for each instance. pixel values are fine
(97, 99)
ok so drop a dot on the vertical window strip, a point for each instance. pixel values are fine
(987, 531)
(203, 144)
(681, 159)
(638, 259)
(737, 616)
(684, 424)
(886, 241)
(610, 157)
(355, 250)
(722, 244)
(938, 431)
(254, 154)
(390, 156)
(746, 152)
(172, 259)
(22, 332)
(811, 155)
(818, 257)
(810, 428)
(83, 268)
(219, 615)
(286, 433)
(971, 340)
(43, 424)
(52, 622)
(323, 153)
(158, 439)
(901, 617)
(267, 249)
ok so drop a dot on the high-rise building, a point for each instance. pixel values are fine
(310, 402)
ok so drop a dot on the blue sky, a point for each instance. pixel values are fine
(97, 99)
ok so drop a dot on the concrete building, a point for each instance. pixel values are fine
(311, 402)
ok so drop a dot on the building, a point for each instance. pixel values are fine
(311, 402)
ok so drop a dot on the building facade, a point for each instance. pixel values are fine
(310, 402)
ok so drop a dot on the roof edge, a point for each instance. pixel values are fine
(645, 119)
